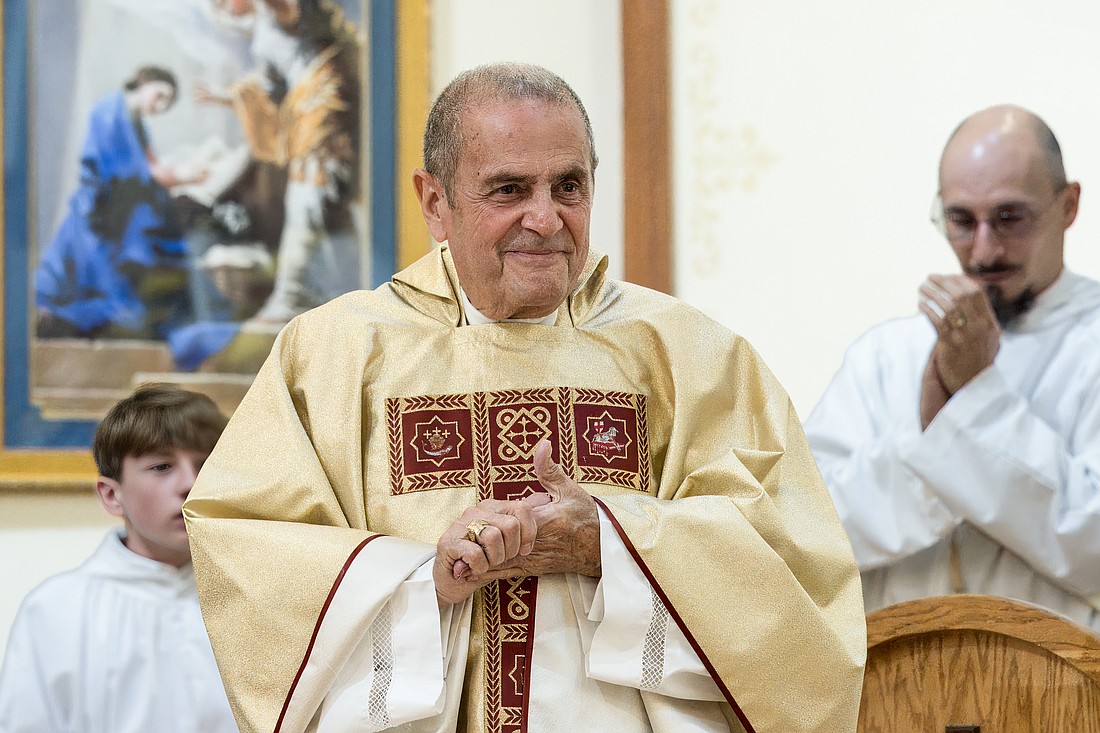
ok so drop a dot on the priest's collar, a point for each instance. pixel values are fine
(432, 282)
(474, 317)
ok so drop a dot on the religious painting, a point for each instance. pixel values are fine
(182, 177)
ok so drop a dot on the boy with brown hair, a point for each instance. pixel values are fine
(118, 644)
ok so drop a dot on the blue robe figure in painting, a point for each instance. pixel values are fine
(117, 266)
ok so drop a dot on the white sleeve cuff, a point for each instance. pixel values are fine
(636, 642)
(395, 673)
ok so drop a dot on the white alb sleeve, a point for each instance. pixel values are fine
(1033, 488)
(396, 673)
(636, 642)
(859, 432)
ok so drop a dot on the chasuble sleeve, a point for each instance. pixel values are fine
(276, 521)
(748, 555)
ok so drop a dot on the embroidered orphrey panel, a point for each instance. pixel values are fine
(484, 439)
(487, 440)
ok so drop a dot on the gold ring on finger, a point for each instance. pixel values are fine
(474, 528)
(958, 320)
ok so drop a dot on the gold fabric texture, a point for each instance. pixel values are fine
(733, 524)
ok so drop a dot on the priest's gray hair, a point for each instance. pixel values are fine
(489, 83)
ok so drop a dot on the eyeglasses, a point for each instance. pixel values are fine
(1009, 221)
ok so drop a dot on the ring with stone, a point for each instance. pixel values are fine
(958, 320)
(473, 529)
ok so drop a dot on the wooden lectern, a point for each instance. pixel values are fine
(978, 664)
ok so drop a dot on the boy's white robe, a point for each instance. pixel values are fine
(116, 645)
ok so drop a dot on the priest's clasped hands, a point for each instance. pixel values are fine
(555, 532)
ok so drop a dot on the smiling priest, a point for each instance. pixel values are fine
(506, 493)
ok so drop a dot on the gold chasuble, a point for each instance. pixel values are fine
(380, 416)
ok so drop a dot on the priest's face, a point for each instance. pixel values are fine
(518, 223)
(149, 496)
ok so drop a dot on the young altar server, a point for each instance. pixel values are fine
(117, 645)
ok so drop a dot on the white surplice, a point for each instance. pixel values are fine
(1008, 472)
(116, 645)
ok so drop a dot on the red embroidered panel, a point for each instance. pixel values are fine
(439, 442)
(509, 633)
(478, 439)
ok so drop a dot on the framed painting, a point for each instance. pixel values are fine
(181, 177)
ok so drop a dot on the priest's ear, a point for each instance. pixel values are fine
(433, 203)
(109, 492)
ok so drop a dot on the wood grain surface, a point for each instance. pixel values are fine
(1006, 666)
(647, 140)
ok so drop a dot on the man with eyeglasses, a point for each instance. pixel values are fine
(962, 445)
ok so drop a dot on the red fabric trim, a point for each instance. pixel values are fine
(317, 627)
(529, 653)
(676, 617)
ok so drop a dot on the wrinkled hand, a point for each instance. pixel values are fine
(553, 532)
(969, 338)
(568, 536)
(462, 565)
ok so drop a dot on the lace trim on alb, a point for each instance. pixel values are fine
(653, 650)
(381, 639)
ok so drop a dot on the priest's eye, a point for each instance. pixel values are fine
(570, 189)
(508, 189)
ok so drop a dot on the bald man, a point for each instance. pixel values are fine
(962, 445)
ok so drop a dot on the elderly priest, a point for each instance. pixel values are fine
(506, 493)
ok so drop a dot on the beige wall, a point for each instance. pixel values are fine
(807, 138)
